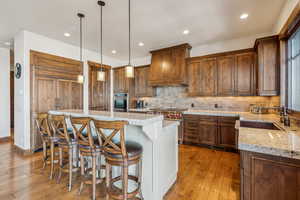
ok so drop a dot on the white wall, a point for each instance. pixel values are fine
(284, 15)
(26, 41)
(5, 93)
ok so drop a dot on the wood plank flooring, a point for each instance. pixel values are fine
(204, 174)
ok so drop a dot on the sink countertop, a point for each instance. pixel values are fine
(284, 142)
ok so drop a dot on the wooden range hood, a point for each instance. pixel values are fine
(168, 66)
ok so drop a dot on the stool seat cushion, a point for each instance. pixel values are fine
(132, 148)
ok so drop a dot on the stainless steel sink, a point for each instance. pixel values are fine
(261, 125)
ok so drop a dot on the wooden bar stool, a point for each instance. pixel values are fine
(43, 129)
(121, 154)
(89, 148)
(67, 142)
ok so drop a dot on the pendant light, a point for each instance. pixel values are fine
(81, 16)
(101, 72)
(129, 69)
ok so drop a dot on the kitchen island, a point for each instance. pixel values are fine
(160, 147)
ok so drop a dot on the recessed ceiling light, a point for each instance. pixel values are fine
(186, 32)
(141, 44)
(244, 16)
(67, 34)
(7, 43)
(113, 51)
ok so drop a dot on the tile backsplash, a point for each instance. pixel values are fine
(177, 97)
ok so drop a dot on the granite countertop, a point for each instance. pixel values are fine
(139, 119)
(284, 142)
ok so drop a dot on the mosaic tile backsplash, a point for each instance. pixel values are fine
(177, 97)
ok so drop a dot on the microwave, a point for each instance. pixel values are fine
(121, 102)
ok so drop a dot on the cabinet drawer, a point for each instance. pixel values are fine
(191, 117)
(191, 124)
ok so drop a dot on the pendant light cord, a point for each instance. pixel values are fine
(80, 15)
(101, 37)
(129, 22)
(80, 39)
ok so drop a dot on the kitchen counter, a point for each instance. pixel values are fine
(159, 139)
(284, 142)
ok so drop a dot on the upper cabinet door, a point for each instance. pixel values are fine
(244, 77)
(268, 66)
(142, 88)
(202, 77)
(226, 67)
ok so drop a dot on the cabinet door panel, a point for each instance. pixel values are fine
(268, 67)
(202, 78)
(45, 94)
(226, 66)
(64, 94)
(207, 132)
(142, 88)
(244, 80)
(77, 95)
(227, 135)
(269, 177)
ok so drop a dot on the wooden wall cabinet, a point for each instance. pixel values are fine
(268, 66)
(202, 77)
(269, 177)
(225, 78)
(245, 74)
(142, 87)
(168, 66)
(210, 130)
(99, 91)
(225, 74)
(54, 86)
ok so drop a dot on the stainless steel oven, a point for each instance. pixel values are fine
(121, 102)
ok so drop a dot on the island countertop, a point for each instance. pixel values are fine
(138, 119)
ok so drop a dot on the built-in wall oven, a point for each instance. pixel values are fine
(121, 102)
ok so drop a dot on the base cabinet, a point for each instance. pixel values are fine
(269, 177)
(210, 130)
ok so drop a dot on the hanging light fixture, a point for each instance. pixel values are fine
(101, 72)
(80, 78)
(129, 69)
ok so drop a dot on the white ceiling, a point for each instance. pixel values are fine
(157, 23)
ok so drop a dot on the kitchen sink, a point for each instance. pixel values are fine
(261, 125)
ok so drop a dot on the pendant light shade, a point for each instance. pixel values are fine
(129, 69)
(100, 76)
(101, 72)
(80, 78)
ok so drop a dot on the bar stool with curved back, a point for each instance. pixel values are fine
(89, 148)
(43, 129)
(122, 154)
(67, 142)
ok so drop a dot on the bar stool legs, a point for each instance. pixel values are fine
(108, 178)
(116, 193)
(70, 167)
(45, 154)
(52, 159)
(139, 170)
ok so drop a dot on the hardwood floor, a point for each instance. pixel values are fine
(203, 174)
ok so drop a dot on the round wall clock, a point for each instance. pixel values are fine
(18, 70)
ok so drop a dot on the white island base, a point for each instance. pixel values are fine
(159, 139)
